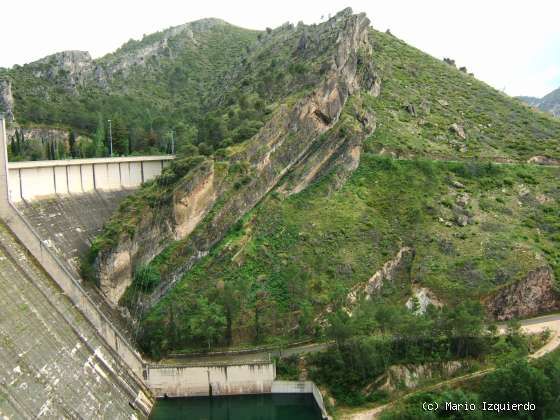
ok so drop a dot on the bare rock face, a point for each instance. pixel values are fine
(410, 376)
(458, 130)
(543, 160)
(6, 99)
(192, 199)
(421, 299)
(534, 295)
(76, 67)
(386, 273)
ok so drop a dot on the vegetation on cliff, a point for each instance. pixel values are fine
(474, 226)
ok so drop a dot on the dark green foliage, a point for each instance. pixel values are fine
(380, 335)
(287, 368)
(517, 382)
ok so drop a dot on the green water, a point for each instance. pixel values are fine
(238, 407)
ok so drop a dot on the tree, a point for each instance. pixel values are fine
(120, 137)
(207, 322)
(74, 152)
(519, 383)
(97, 148)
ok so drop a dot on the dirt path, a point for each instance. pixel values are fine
(532, 325)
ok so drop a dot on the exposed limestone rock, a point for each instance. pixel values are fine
(462, 220)
(386, 273)
(543, 160)
(421, 299)
(190, 208)
(192, 199)
(457, 184)
(6, 99)
(458, 130)
(535, 294)
(463, 200)
(286, 137)
(75, 66)
(411, 376)
(38, 134)
(339, 153)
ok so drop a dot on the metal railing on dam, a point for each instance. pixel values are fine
(35, 179)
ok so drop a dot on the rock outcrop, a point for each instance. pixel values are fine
(537, 293)
(283, 141)
(6, 99)
(386, 273)
(192, 199)
(420, 300)
(411, 376)
(74, 67)
(543, 160)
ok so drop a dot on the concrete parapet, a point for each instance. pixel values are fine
(300, 387)
(210, 380)
(34, 180)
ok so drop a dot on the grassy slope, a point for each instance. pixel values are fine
(497, 126)
(291, 258)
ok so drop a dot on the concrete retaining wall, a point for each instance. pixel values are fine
(190, 381)
(300, 387)
(33, 180)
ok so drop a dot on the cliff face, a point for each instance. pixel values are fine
(75, 68)
(291, 133)
(6, 99)
(192, 199)
(535, 294)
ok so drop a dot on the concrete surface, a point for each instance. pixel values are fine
(39, 179)
(204, 380)
(68, 224)
(52, 363)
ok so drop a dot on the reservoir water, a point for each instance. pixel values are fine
(238, 407)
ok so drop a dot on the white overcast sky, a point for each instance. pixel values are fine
(509, 44)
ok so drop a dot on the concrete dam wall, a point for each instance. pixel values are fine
(38, 179)
(53, 364)
(63, 352)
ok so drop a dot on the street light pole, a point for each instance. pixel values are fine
(110, 140)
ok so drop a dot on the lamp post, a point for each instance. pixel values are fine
(110, 140)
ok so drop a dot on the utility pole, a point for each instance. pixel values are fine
(110, 140)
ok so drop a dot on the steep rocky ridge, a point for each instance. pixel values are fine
(6, 99)
(284, 139)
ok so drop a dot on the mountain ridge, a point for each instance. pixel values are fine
(548, 103)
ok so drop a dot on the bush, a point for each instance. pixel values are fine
(146, 278)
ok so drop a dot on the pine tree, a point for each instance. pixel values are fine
(98, 144)
(72, 143)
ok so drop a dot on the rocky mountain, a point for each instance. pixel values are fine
(322, 169)
(166, 81)
(548, 103)
(367, 147)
